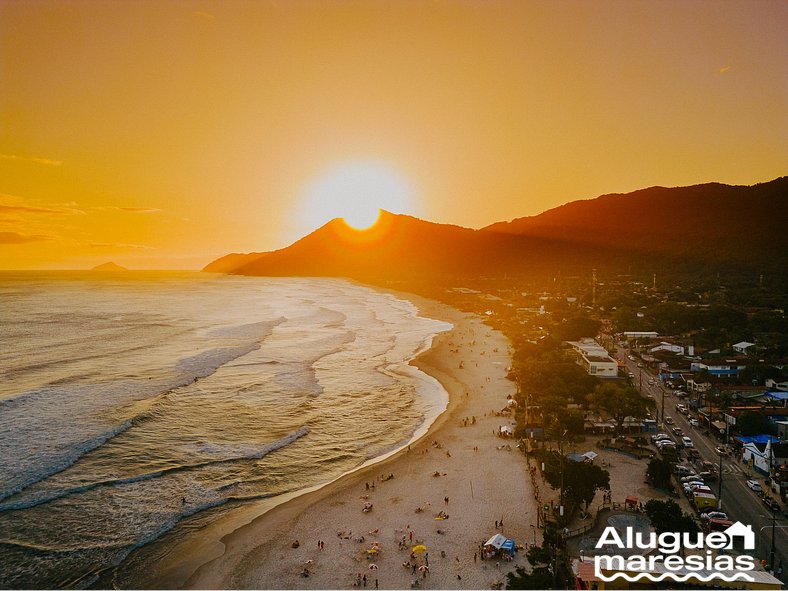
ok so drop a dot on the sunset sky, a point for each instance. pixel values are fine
(162, 134)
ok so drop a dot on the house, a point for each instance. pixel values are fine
(668, 348)
(765, 456)
(728, 368)
(778, 386)
(742, 347)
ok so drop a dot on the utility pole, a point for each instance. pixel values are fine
(719, 487)
(593, 288)
(771, 506)
(662, 412)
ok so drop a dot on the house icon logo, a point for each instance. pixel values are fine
(745, 531)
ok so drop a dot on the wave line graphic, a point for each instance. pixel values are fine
(674, 576)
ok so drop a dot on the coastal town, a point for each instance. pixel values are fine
(634, 400)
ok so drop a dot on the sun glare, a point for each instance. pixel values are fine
(356, 192)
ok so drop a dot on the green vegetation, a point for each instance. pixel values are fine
(549, 566)
(621, 403)
(667, 516)
(659, 472)
(580, 480)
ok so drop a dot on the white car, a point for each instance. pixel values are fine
(691, 478)
(754, 485)
(714, 515)
(694, 422)
(687, 442)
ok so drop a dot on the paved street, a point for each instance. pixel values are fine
(737, 500)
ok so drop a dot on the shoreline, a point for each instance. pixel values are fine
(231, 554)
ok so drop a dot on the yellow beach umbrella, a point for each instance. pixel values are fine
(419, 548)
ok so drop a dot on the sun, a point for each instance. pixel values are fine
(356, 192)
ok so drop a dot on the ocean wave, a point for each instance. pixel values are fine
(189, 369)
(253, 454)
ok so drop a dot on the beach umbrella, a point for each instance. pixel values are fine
(419, 548)
(424, 568)
(373, 567)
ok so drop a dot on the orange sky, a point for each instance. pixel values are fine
(163, 134)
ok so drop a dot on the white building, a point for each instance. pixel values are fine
(594, 358)
(669, 347)
(640, 334)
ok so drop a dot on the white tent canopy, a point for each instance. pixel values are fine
(496, 541)
(506, 430)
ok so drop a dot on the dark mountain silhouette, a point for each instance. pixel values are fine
(657, 228)
(702, 221)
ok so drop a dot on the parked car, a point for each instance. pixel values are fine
(694, 422)
(754, 485)
(714, 515)
(691, 478)
(683, 470)
(658, 436)
(771, 504)
(687, 442)
(631, 376)
(708, 476)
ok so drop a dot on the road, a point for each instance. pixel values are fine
(737, 499)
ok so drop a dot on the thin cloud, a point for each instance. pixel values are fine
(17, 205)
(119, 245)
(129, 209)
(140, 209)
(17, 238)
(33, 209)
(44, 161)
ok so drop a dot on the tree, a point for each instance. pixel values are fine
(580, 480)
(659, 472)
(620, 403)
(667, 516)
(549, 568)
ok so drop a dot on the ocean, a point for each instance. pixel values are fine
(140, 405)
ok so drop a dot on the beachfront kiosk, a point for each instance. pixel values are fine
(499, 546)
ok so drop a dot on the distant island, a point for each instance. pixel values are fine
(109, 267)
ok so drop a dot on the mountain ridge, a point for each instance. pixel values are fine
(708, 224)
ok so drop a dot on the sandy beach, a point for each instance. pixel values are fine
(460, 468)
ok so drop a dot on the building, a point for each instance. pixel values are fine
(667, 347)
(728, 368)
(742, 347)
(649, 334)
(594, 358)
